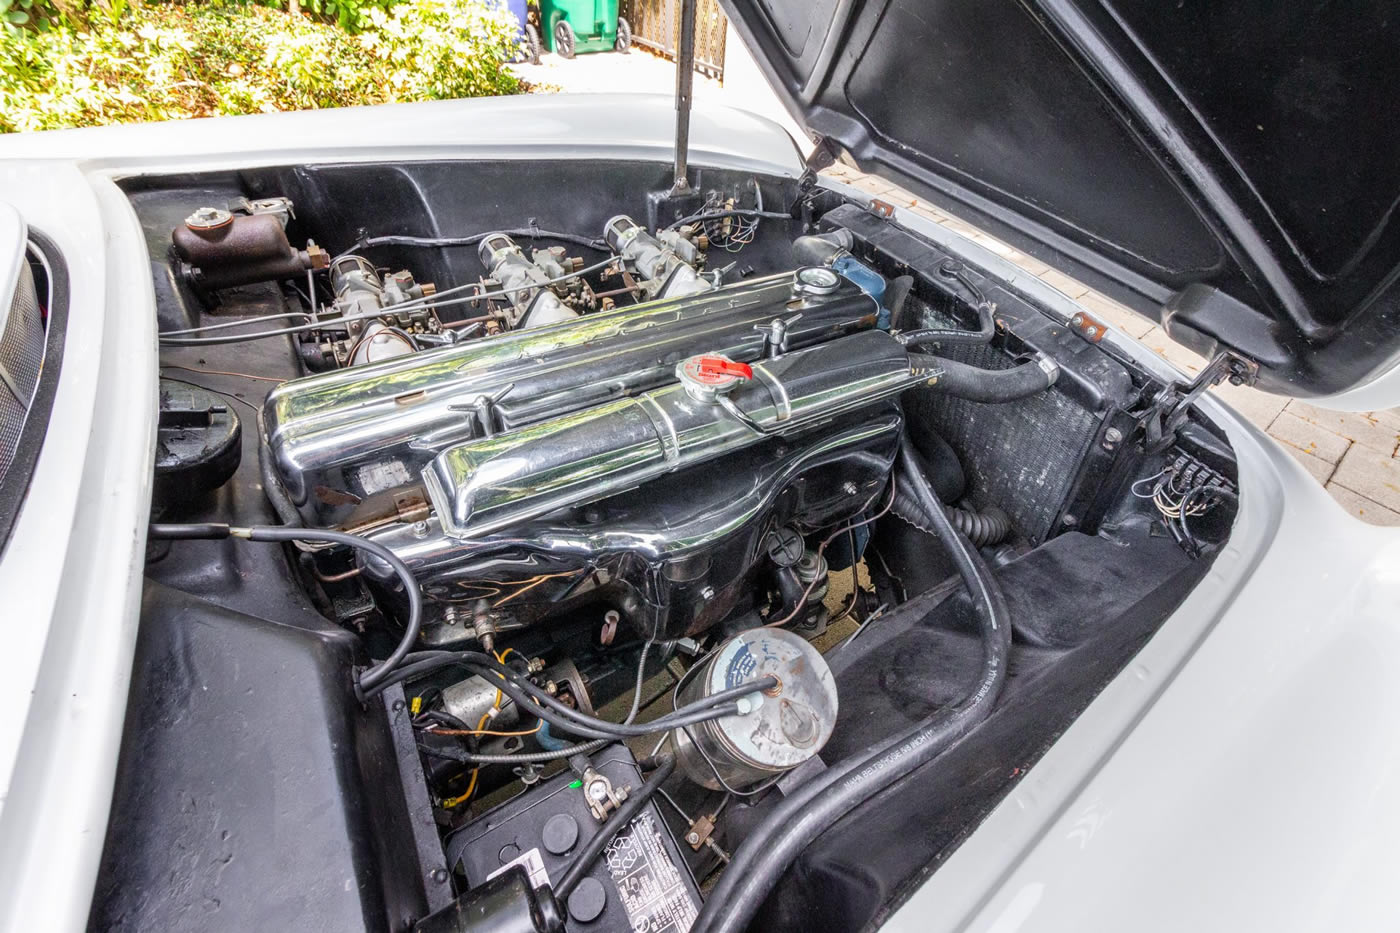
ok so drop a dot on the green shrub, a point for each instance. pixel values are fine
(347, 14)
(39, 15)
(164, 62)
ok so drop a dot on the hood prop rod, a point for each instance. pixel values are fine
(685, 80)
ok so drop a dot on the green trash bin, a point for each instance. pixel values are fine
(569, 27)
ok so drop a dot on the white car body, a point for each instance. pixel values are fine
(1238, 774)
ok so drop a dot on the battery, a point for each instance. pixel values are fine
(639, 882)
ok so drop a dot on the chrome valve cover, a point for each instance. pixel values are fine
(342, 436)
(656, 503)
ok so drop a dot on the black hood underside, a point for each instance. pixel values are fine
(1229, 168)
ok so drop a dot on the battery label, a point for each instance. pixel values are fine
(649, 883)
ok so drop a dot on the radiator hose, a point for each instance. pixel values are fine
(948, 336)
(819, 249)
(986, 330)
(815, 806)
(991, 385)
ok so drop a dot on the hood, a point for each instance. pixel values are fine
(1230, 169)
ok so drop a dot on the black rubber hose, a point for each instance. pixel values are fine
(412, 627)
(992, 526)
(272, 485)
(986, 322)
(205, 531)
(818, 249)
(986, 330)
(369, 678)
(791, 591)
(536, 702)
(990, 385)
(588, 853)
(589, 728)
(813, 807)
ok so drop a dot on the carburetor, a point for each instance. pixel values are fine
(363, 323)
(542, 289)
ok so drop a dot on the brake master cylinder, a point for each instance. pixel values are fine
(776, 730)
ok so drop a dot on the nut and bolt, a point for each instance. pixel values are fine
(420, 529)
(439, 875)
(1112, 438)
(693, 838)
(849, 488)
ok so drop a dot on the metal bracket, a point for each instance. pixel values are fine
(738, 414)
(881, 208)
(825, 153)
(483, 409)
(700, 831)
(1088, 327)
(1169, 410)
(411, 506)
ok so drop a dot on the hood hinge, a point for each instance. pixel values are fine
(1169, 410)
(825, 153)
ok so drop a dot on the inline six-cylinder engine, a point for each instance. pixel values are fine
(650, 458)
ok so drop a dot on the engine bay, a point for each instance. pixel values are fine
(536, 548)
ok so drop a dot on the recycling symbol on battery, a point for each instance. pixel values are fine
(622, 854)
